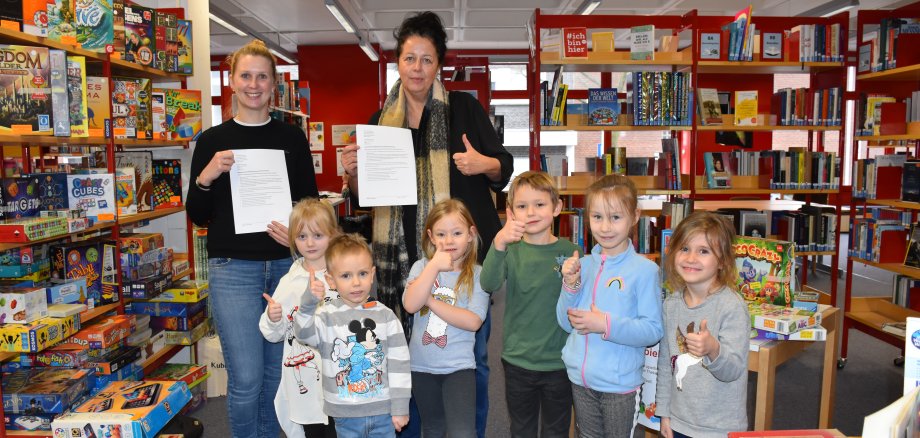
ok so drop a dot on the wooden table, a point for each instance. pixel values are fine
(765, 361)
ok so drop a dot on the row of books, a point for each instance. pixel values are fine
(891, 176)
(661, 98)
(797, 168)
(869, 234)
(741, 36)
(906, 293)
(880, 114)
(807, 106)
(816, 42)
(811, 228)
(879, 52)
(157, 38)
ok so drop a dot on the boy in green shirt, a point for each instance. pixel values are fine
(527, 257)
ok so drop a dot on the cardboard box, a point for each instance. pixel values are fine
(94, 193)
(186, 291)
(148, 288)
(22, 305)
(37, 335)
(140, 243)
(71, 291)
(187, 337)
(24, 255)
(131, 371)
(180, 323)
(58, 356)
(47, 390)
(106, 332)
(14, 271)
(125, 408)
(147, 270)
(153, 308)
(93, 260)
(117, 360)
(33, 228)
(20, 197)
(155, 255)
(32, 422)
(188, 373)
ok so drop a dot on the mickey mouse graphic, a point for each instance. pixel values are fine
(359, 356)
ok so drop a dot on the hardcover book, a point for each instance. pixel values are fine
(139, 36)
(912, 257)
(603, 108)
(97, 105)
(718, 175)
(765, 270)
(95, 25)
(76, 83)
(865, 58)
(710, 110)
(746, 108)
(754, 224)
(642, 46)
(26, 77)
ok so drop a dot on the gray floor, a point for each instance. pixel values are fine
(869, 381)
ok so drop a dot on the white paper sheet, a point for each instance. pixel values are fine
(386, 166)
(260, 189)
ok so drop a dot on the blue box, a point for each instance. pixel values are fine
(131, 371)
(20, 197)
(69, 292)
(43, 391)
(52, 190)
(154, 308)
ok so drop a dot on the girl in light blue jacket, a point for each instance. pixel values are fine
(610, 304)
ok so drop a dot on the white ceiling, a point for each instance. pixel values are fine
(471, 24)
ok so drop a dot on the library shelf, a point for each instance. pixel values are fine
(766, 128)
(764, 67)
(160, 357)
(896, 137)
(121, 67)
(906, 73)
(614, 62)
(85, 317)
(896, 203)
(101, 226)
(133, 143)
(614, 128)
(10, 36)
(872, 312)
(814, 253)
(898, 268)
(707, 191)
(147, 215)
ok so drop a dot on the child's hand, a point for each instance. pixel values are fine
(588, 321)
(441, 261)
(317, 288)
(400, 421)
(666, 427)
(702, 343)
(571, 270)
(274, 309)
(512, 232)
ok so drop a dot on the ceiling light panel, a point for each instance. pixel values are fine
(505, 18)
(392, 20)
(408, 5)
(514, 4)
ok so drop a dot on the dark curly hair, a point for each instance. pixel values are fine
(424, 24)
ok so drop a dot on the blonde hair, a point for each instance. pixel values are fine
(346, 244)
(444, 208)
(616, 191)
(255, 48)
(317, 215)
(536, 180)
(720, 235)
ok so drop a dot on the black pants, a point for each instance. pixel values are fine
(320, 430)
(538, 399)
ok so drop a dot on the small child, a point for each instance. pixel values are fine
(299, 401)
(611, 306)
(707, 326)
(527, 258)
(366, 376)
(449, 306)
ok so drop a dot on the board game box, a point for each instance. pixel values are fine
(21, 197)
(139, 34)
(94, 193)
(128, 409)
(76, 84)
(94, 260)
(165, 309)
(25, 79)
(118, 31)
(37, 335)
(57, 356)
(20, 305)
(781, 319)
(95, 25)
(32, 228)
(186, 291)
(104, 333)
(52, 190)
(188, 373)
(167, 184)
(35, 17)
(142, 162)
(131, 108)
(185, 66)
(43, 391)
(765, 270)
(97, 105)
(61, 21)
(60, 105)
(183, 114)
(125, 194)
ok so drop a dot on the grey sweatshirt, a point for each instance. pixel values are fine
(713, 398)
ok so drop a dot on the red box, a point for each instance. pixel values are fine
(106, 332)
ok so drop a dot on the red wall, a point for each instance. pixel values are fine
(343, 91)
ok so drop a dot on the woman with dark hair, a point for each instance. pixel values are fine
(458, 155)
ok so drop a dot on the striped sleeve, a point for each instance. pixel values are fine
(305, 320)
(398, 372)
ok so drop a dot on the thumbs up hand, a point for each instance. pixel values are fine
(588, 321)
(702, 343)
(571, 270)
(512, 232)
(317, 288)
(470, 162)
(273, 310)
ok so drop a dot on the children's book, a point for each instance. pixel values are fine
(753, 223)
(139, 36)
(95, 25)
(125, 192)
(765, 270)
(185, 67)
(167, 184)
(97, 105)
(746, 108)
(642, 46)
(603, 108)
(718, 175)
(26, 110)
(710, 110)
(76, 83)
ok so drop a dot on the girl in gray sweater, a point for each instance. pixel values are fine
(702, 359)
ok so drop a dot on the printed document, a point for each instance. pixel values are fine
(386, 166)
(260, 189)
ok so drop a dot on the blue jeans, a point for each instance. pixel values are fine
(481, 351)
(253, 364)
(365, 427)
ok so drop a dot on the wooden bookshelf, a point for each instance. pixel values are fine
(872, 312)
(615, 62)
(85, 317)
(10, 36)
(814, 253)
(614, 128)
(896, 203)
(133, 143)
(125, 68)
(148, 215)
(745, 191)
(897, 137)
(897, 268)
(764, 67)
(906, 73)
(766, 128)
